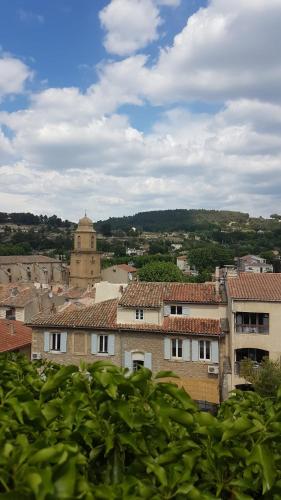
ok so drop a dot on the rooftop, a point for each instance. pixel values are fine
(18, 295)
(104, 316)
(27, 259)
(13, 335)
(154, 294)
(263, 287)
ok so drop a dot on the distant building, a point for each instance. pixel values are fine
(22, 302)
(15, 337)
(85, 263)
(184, 266)
(31, 269)
(253, 264)
(121, 273)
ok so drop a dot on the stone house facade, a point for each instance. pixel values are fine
(32, 269)
(161, 326)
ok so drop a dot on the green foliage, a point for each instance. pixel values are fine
(99, 433)
(160, 271)
(10, 249)
(207, 258)
(266, 377)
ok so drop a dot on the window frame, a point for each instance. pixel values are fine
(103, 343)
(139, 314)
(178, 310)
(55, 342)
(204, 344)
(178, 348)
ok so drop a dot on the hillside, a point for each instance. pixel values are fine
(176, 220)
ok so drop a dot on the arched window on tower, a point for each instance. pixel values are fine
(78, 242)
(92, 242)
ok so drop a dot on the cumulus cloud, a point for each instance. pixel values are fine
(130, 25)
(13, 75)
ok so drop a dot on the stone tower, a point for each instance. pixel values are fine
(85, 262)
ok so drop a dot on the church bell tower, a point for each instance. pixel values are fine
(85, 262)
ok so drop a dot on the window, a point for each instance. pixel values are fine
(247, 322)
(103, 344)
(78, 242)
(176, 309)
(137, 364)
(139, 313)
(92, 242)
(11, 313)
(204, 350)
(176, 348)
(55, 342)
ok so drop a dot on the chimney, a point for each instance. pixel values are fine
(12, 328)
(217, 280)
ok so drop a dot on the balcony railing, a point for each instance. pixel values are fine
(237, 367)
(252, 329)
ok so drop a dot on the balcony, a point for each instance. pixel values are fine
(263, 329)
(254, 355)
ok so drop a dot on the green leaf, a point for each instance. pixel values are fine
(164, 374)
(262, 455)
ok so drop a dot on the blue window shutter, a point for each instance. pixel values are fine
(128, 360)
(111, 344)
(94, 343)
(194, 350)
(215, 351)
(63, 341)
(148, 360)
(167, 310)
(185, 311)
(167, 348)
(46, 341)
(186, 350)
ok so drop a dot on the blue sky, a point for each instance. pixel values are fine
(131, 105)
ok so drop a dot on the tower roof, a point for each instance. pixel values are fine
(85, 221)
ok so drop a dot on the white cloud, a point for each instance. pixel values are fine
(130, 25)
(29, 17)
(13, 75)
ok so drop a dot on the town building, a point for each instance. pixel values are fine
(32, 269)
(22, 301)
(253, 264)
(161, 326)
(15, 337)
(85, 263)
(120, 273)
(254, 312)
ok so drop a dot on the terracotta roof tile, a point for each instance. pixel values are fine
(264, 287)
(104, 315)
(27, 259)
(126, 267)
(18, 295)
(13, 335)
(154, 294)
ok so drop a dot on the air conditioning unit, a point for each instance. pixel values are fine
(214, 370)
(36, 355)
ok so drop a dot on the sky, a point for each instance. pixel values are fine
(122, 106)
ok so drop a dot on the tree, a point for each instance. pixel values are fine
(207, 258)
(160, 271)
(266, 378)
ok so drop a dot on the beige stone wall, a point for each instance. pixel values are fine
(114, 274)
(126, 315)
(193, 375)
(34, 272)
(269, 342)
(85, 269)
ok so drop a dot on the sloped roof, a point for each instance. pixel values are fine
(263, 287)
(154, 294)
(18, 295)
(13, 335)
(27, 259)
(104, 316)
(126, 267)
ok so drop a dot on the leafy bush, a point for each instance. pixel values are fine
(99, 433)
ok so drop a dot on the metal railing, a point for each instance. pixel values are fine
(252, 329)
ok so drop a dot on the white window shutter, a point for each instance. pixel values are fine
(194, 350)
(128, 360)
(111, 345)
(148, 360)
(215, 351)
(167, 348)
(167, 310)
(185, 311)
(94, 343)
(46, 341)
(63, 341)
(186, 350)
